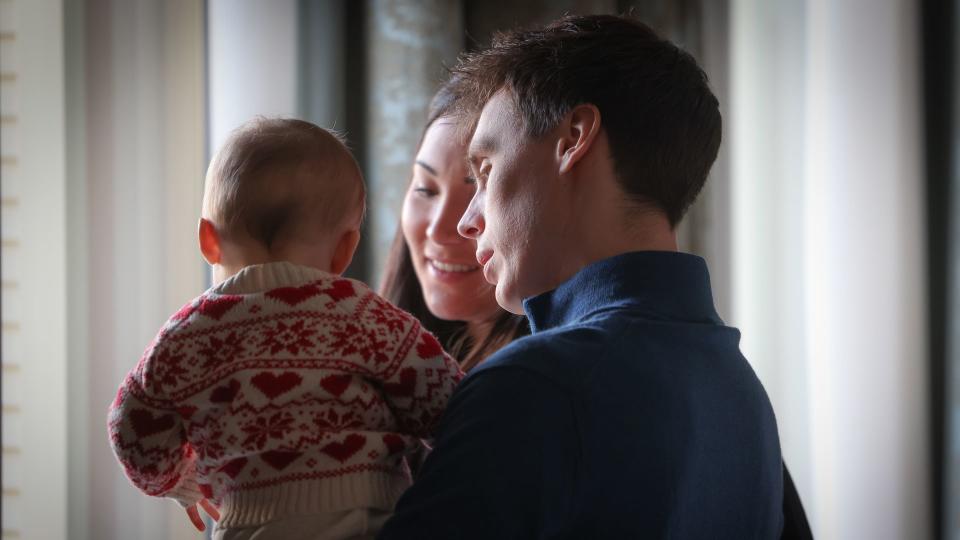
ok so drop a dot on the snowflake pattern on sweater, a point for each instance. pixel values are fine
(309, 381)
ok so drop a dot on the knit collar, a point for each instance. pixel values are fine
(660, 285)
(263, 277)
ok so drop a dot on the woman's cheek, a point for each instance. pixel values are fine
(413, 227)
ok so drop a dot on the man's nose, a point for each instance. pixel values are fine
(471, 224)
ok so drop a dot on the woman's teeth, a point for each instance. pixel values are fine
(446, 267)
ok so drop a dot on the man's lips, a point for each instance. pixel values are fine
(483, 256)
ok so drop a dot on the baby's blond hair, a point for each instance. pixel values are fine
(275, 178)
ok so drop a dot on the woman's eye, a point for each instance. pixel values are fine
(424, 191)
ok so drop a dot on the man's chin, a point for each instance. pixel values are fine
(509, 302)
(488, 274)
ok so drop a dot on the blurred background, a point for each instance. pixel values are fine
(829, 222)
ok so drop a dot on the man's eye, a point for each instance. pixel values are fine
(484, 175)
(481, 174)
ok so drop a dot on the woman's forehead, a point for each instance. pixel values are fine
(441, 149)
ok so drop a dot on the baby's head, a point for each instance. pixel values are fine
(281, 190)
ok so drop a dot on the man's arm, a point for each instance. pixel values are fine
(503, 465)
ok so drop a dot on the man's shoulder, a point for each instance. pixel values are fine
(560, 356)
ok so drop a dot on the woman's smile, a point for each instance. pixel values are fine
(448, 272)
(443, 266)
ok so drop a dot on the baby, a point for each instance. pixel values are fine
(285, 395)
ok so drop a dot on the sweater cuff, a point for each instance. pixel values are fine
(186, 492)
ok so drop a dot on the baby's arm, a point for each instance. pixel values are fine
(148, 436)
(419, 388)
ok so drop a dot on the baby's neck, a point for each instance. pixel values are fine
(238, 255)
(223, 272)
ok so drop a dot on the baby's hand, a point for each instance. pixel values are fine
(194, 514)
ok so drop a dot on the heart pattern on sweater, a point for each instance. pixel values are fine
(280, 459)
(186, 411)
(429, 347)
(342, 451)
(184, 312)
(226, 393)
(406, 386)
(293, 295)
(336, 384)
(145, 423)
(233, 467)
(274, 385)
(394, 443)
(339, 290)
(217, 306)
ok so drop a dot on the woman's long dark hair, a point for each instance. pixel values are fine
(401, 286)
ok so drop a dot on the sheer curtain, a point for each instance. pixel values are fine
(829, 257)
(136, 149)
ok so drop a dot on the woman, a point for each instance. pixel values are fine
(432, 271)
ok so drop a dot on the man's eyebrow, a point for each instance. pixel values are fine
(429, 169)
(483, 145)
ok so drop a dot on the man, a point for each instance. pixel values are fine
(629, 412)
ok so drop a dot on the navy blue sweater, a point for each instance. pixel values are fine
(628, 413)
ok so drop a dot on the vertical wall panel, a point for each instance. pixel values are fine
(34, 270)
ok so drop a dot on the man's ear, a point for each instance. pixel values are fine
(343, 253)
(209, 241)
(578, 132)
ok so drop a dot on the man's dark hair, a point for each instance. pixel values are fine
(661, 119)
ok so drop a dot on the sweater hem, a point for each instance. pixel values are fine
(369, 489)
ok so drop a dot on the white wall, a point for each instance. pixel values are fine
(829, 252)
(252, 62)
(34, 268)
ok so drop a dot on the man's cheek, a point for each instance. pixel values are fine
(511, 226)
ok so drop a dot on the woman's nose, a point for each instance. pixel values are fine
(443, 225)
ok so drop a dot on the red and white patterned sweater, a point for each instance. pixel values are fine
(283, 391)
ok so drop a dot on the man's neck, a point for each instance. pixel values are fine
(612, 235)
(647, 230)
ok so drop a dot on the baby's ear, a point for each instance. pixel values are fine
(209, 241)
(343, 253)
